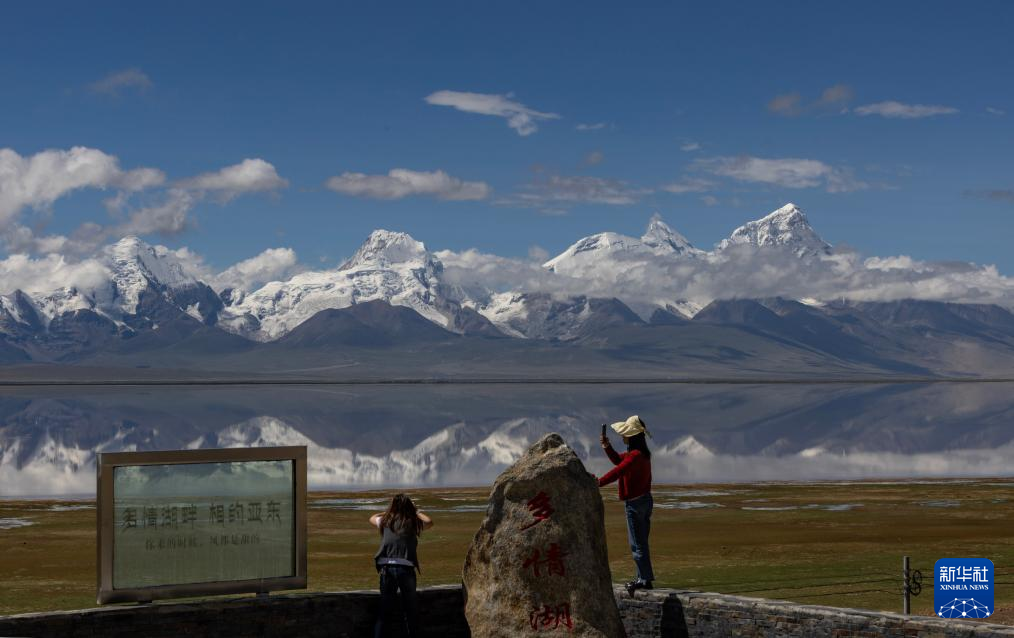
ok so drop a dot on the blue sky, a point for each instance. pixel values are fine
(889, 123)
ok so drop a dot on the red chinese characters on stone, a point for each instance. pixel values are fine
(540, 508)
(549, 617)
(552, 562)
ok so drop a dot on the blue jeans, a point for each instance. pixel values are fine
(638, 527)
(395, 580)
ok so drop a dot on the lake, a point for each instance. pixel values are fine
(365, 436)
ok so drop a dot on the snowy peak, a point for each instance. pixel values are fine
(384, 248)
(659, 240)
(785, 227)
(17, 308)
(599, 243)
(390, 266)
(541, 316)
(686, 447)
(660, 237)
(133, 260)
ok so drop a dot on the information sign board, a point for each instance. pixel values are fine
(195, 522)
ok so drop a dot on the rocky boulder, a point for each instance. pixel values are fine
(538, 564)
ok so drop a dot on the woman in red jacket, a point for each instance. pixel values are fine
(633, 470)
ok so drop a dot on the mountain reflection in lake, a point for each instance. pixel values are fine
(466, 434)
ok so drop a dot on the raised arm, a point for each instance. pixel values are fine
(426, 520)
(619, 470)
(375, 520)
(613, 455)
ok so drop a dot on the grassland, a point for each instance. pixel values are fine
(825, 543)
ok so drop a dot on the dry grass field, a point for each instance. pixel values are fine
(824, 543)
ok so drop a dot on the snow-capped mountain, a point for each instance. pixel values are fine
(591, 255)
(136, 287)
(541, 316)
(395, 268)
(785, 228)
(131, 270)
(458, 453)
(151, 284)
(390, 266)
(608, 258)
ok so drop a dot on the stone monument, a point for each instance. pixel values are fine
(538, 564)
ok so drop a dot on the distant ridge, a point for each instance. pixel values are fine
(371, 324)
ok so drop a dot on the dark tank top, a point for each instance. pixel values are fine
(397, 547)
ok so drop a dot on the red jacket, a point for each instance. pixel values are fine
(634, 471)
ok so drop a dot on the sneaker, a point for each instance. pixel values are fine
(645, 584)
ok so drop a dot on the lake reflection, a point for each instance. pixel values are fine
(466, 434)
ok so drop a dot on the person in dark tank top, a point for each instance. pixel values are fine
(397, 561)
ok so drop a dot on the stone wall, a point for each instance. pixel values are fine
(662, 612)
(332, 615)
(666, 612)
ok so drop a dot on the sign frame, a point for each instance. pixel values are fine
(105, 523)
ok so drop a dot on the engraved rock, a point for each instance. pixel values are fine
(538, 564)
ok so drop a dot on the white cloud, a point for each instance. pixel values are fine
(553, 194)
(689, 147)
(168, 217)
(594, 158)
(21, 239)
(249, 176)
(784, 172)
(995, 111)
(49, 273)
(273, 264)
(119, 81)
(688, 185)
(597, 126)
(710, 200)
(744, 271)
(37, 181)
(519, 117)
(91, 275)
(401, 182)
(140, 179)
(170, 213)
(538, 254)
(898, 110)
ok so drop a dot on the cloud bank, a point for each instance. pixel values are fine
(37, 181)
(519, 117)
(273, 264)
(555, 194)
(739, 271)
(120, 81)
(402, 182)
(785, 172)
(143, 203)
(249, 176)
(899, 110)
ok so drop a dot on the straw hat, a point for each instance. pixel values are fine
(631, 427)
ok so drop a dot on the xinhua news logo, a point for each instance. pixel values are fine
(964, 588)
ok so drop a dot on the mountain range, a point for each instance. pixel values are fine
(147, 308)
(465, 435)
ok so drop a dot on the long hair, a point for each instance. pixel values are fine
(401, 514)
(639, 443)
